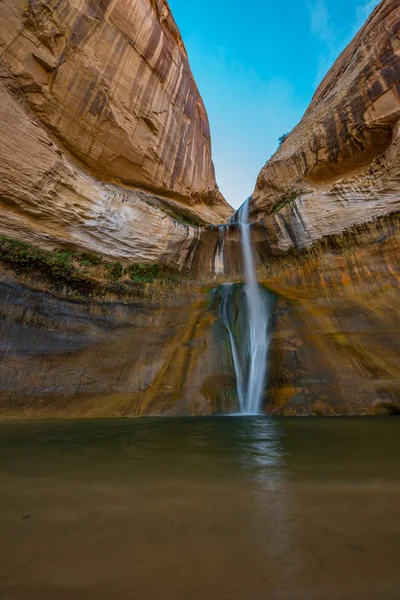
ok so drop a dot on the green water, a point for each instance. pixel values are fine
(200, 509)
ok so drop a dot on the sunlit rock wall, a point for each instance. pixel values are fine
(328, 201)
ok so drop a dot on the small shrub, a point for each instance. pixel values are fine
(115, 270)
(285, 200)
(89, 260)
(118, 287)
(283, 138)
(79, 298)
(143, 273)
(185, 220)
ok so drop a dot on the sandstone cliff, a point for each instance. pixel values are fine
(134, 342)
(66, 355)
(328, 201)
(335, 347)
(98, 101)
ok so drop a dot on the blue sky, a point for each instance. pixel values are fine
(257, 65)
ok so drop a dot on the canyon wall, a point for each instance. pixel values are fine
(328, 201)
(336, 342)
(107, 190)
(105, 139)
(341, 165)
(106, 181)
(65, 355)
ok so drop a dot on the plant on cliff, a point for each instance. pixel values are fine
(184, 219)
(180, 218)
(57, 262)
(84, 271)
(285, 200)
(139, 273)
(115, 270)
(283, 138)
(89, 260)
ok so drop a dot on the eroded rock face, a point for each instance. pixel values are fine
(98, 101)
(104, 149)
(326, 232)
(49, 201)
(112, 80)
(328, 201)
(341, 165)
(63, 356)
(335, 347)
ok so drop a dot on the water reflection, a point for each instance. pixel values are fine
(216, 508)
(272, 497)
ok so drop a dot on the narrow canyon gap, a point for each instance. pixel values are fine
(113, 230)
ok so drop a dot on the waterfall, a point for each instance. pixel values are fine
(257, 321)
(226, 304)
(246, 318)
(219, 267)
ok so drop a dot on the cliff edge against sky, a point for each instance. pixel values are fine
(105, 149)
(341, 165)
(328, 202)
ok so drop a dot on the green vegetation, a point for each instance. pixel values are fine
(83, 271)
(184, 219)
(143, 273)
(89, 260)
(285, 200)
(283, 138)
(57, 263)
(115, 270)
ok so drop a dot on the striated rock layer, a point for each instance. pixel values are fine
(97, 100)
(104, 150)
(64, 355)
(336, 342)
(328, 201)
(335, 347)
(326, 232)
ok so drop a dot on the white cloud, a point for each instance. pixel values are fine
(320, 21)
(363, 11)
(322, 28)
(335, 39)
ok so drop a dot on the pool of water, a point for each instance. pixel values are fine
(200, 509)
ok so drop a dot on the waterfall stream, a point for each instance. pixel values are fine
(246, 318)
(257, 321)
(219, 266)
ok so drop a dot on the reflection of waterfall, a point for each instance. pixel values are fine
(271, 495)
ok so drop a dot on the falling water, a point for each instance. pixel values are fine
(257, 322)
(244, 311)
(227, 293)
(219, 267)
